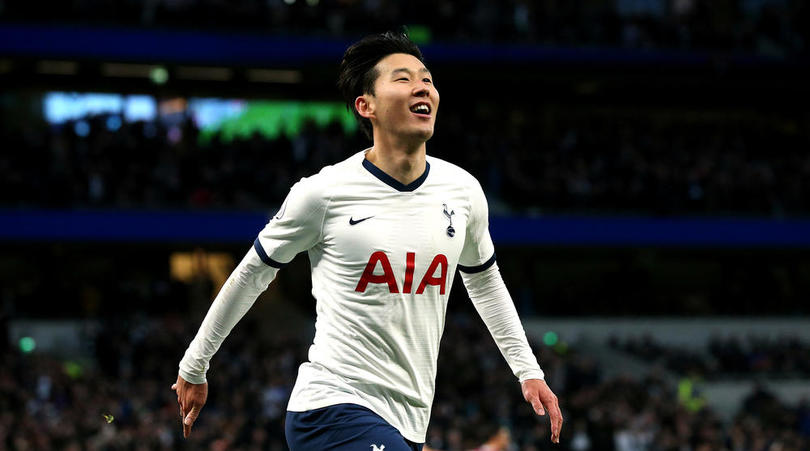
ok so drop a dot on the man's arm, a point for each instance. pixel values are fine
(494, 304)
(250, 278)
(295, 227)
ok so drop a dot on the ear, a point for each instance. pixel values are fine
(364, 106)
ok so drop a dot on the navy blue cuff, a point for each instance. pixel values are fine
(265, 258)
(479, 268)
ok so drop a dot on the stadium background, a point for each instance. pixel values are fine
(647, 165)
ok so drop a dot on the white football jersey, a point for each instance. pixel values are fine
(383, 257)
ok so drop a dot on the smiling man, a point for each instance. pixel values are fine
(385, 231)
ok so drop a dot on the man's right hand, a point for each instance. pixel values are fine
(539, 395)
(191, 398)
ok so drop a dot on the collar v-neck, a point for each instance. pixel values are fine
(394, 183)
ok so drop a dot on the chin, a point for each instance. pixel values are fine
(417, 135)
(424, 134)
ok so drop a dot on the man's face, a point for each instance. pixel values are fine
(405, 102)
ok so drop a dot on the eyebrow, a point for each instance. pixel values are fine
(408, 71)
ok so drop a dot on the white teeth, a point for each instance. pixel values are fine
(422, 108)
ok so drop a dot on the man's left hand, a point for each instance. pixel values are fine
(537, 393)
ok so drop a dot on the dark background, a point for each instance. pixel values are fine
(644, 161)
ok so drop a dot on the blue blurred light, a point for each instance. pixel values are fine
(113, 123)
(82, 128)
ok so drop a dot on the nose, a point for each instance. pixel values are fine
(422, 90)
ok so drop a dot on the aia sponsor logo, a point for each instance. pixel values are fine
(439, 263)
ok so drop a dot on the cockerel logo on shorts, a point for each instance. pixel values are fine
(374, 447)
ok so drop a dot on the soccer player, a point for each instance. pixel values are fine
(385, 231)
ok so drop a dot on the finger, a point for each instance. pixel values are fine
(188, 421)
(183, 415)
(556, 424)
(191, 417)
(174, 386)
(186, 429)
(538, 407)
(555, 433)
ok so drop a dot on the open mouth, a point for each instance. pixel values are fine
(421, 108)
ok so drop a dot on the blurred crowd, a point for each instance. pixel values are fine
(543, 282)
(49, 403)
(772, 27)
(727, 357)
(46, 406)
(648, 162)
(644, 162)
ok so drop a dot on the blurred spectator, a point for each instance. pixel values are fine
(573, 163)
(50, 403)
(727, 357)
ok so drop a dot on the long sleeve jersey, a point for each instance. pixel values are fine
(383, 257)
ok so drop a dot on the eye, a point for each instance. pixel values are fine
(401, 79)
(427, 80)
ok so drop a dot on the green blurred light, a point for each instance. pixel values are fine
(274, 118)
(159, 75)
(550, 338)
(27, 344)
(419, 34)
(73, 369)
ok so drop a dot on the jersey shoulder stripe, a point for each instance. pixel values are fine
(264, 257)
(299, 223)
(479, 268)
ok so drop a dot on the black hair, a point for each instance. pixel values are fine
(357, 72)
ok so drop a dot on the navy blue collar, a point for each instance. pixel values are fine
(394, 183)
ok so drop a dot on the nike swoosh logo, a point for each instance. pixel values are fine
(353, 222)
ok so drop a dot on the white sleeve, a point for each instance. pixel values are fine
(493, 303)
(295, 228)
(478, 252)
(250, 278)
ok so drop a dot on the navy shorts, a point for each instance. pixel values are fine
(343, 427)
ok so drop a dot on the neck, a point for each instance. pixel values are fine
(405, 162)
